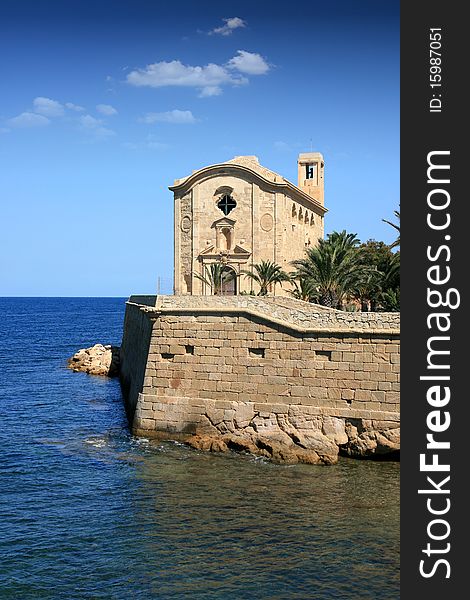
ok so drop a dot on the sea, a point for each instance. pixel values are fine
(89, 511)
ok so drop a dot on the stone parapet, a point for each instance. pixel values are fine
(287, 311)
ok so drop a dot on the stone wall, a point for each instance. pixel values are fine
(258, 369)
(134, 352)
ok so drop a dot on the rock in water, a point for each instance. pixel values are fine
(97, 360)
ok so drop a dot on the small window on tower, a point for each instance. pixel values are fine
(310, 171)
(226, 204)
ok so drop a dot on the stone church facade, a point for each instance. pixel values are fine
(239, 213)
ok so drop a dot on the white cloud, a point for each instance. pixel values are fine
(28, 119)
(103, 132)
(249, 63)
(170, 116)
(75, 107)
(210, 90)
(229, 27)
(47, 107)
(208, 78)
(175, 73)
(95, 127)
(106, 109)
(90, 122)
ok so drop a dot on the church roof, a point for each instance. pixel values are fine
(251, 165)
(252, 162)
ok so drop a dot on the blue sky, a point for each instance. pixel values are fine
(105, 103)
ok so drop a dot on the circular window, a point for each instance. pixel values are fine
(226, 204)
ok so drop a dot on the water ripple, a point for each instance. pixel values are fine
(88, 511)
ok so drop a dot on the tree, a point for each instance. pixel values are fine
(391, 300)
(334, 268)
(396, 243)
(214, 276)
(380, 289)
(368, 290)
(378, 257)
(304, 289)
(267, 274)
(391, 271)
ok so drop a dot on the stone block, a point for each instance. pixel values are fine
(300, 390)
(363, 395)
(215, 376)
(369, 385)
(392, 397)
(149, 424)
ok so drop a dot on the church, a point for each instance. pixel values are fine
(238, 213)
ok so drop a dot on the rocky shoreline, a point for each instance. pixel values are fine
(290, 437)
(369, 444)
(284, 436)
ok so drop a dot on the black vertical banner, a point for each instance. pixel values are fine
(434, 255)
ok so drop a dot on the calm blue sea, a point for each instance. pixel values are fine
(88, 511)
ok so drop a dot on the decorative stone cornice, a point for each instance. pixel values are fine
(184, 185)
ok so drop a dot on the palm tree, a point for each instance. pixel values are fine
(334, 268)
(267, 274)
(391, 300)
(380, 259)
(391, 271)
(396, 243)
(369, 290)
(214, 276)
(304, 289)
(379, 289)
(390, 297)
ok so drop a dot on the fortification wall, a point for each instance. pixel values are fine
(134, 352)
(245, 369)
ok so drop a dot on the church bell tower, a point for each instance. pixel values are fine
(310, 169)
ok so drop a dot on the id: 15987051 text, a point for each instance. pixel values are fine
(435, 69)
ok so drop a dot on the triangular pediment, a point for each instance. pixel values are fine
(224, 221)
(240, 250)
(212, 251)
(208, 250)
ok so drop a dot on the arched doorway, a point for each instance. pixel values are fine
(228, 284)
